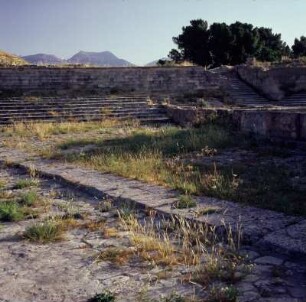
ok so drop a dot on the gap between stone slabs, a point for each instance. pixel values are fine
(265, 229)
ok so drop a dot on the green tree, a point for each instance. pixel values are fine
(299, 47)
(272, 48)
(219, 44)
(227, 44)
(175, 55)
(244, 42)
(193, 43)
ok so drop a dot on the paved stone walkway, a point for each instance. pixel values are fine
(276, 242)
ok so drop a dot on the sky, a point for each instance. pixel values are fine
(139, 31)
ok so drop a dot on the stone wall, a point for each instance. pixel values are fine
(270, 124)
(49, 81)
(274, 83)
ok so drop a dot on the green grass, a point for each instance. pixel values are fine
(26, 183)
(157, 156)
(2, 184)
(269, 186)
(44, 232)
(29, 198)
(167, 141)
(11, 211)
(223, 294)
(185, 202)
(149, 155)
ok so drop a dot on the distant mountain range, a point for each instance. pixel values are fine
(104, 58)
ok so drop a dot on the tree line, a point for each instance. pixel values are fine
(222, 44)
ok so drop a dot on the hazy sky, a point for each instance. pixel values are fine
(139, 31)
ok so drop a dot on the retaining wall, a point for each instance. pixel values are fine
(274, 83)
(270, 124)
(51, 81)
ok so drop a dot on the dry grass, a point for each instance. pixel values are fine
(155, 243)
(116, 255)
(45, 130)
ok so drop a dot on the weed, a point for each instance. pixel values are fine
(110, 232)
(116, 255)
(223, 294)
(11, 211)
(208, 210)
(174, 298)
(105, 205)
(154, 245)
(29, 198)
(2, 183)
(185, 201)
(26, 183)
(103, 297)
(126, 212)
(32, 171)
(44, 232)
(94, 225)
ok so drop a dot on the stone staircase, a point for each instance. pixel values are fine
(80, 109)
(241, 94)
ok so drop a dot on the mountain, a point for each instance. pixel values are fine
(10, 59)
(105, 58)
(43, 59)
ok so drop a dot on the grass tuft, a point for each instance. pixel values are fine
(29, 198)
(223, 294)
(185, 202)
(26, 183)
(11, 211)
(44, 232)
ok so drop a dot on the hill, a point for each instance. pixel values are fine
(10, 59)
(105, 58)
(43, 59)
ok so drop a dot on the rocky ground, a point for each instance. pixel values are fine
(118, 236)
(71, 270)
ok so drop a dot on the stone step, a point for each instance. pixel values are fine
(80, 109)
(65, 114)
(143, 120)
(69, 103)
(84, 106)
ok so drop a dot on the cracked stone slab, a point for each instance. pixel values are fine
(269, 260)
(291, 239)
